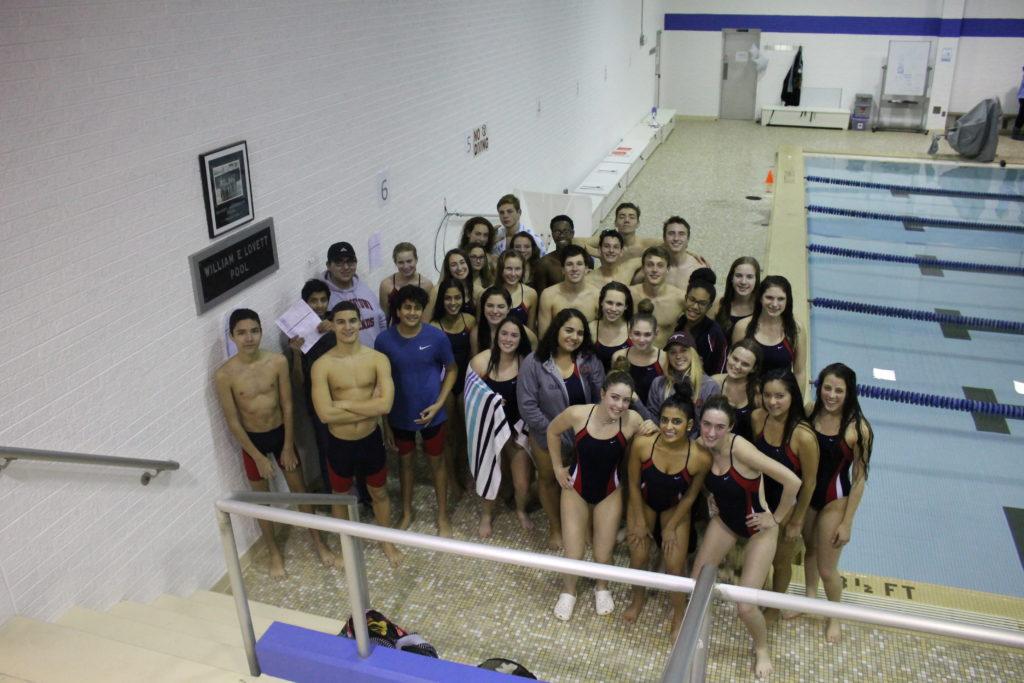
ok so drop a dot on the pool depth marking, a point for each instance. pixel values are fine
(957, 330)
(986, 422)
(1015, 518)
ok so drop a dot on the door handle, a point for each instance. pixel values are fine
(725, 71)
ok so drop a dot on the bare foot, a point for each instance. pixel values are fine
(790, 614)
(444, 527)
(406, 521)
(834, 631)
(393, 554)
(635, 607)
(763, 663)
(771, 615)
(277, 566)
(555, 540)
(485, 526)
(327, 558)
(524, 520)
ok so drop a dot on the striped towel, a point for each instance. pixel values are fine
(487, 431)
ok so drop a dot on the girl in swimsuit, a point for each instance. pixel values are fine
(642, 359)
(737, 301)
(783, 434)
(458, 326)
(405, 258)
(480, 266)
(590, 486)
(524, 298)
(773, 327)
(845, 440)
(611, 329)
(524, 245)
(499, 367)
(666, 472)
(455, 266)
(740, 385)
(495, 306)
(734, 481)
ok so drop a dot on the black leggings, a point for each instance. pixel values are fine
(1018, 123)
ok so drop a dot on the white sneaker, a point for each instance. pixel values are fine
(564, 607)
(603, 603)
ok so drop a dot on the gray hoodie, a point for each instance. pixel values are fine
(541, 391)
(372, 318)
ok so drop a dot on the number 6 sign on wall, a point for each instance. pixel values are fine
(383, 186)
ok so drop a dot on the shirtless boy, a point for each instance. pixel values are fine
(613, 265)
(575, 291)
(256, 396)
(352, 389)
(667, 300)
(681, 262)
(627, 221)
(548, 270)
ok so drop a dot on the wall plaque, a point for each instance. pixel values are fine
(233, 264)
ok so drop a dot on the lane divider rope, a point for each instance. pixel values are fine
(917, 220)
(916, 260)
(914, 314)
(967, 405)
(914, 190)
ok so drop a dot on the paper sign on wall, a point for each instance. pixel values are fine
(743, 56)
(947, 54)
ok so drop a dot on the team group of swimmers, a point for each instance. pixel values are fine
(616, 361)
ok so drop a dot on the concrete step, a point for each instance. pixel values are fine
(186, 646)
(259, 609)
(177, 622)
(36, 651)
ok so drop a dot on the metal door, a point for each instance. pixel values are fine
(739, 74)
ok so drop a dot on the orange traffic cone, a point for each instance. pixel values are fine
(769, 181)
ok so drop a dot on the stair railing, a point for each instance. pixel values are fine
(352, 531)
(9, 454)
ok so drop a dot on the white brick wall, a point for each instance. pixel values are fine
(104, 109)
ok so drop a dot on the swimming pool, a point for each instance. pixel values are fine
(946, 489)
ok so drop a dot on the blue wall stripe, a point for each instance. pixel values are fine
(881, 26)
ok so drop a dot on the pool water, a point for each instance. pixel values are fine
(943, 488)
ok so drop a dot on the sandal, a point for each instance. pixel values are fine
(603, 603)
(564, 607)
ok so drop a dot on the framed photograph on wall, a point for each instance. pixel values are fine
(227, 188)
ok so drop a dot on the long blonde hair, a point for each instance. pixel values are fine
(695, 375)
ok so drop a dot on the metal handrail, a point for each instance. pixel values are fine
(9, 454)
(690, 651)
(355, 565)
(352, 531)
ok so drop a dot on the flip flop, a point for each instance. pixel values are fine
(603, 603)
(564, 607)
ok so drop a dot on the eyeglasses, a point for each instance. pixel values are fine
(702, 304)
(477, 257)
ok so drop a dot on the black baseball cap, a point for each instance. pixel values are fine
(341, 251)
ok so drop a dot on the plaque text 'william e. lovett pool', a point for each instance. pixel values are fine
(233, 263)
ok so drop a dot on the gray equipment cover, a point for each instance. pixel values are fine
(976, 133)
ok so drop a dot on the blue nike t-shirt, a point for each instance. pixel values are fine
(417, 367)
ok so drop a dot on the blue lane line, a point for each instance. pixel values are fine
(917, 220)
(914, 314)
(877, 26)
(910, 189)
(916, 260)
(967, 405)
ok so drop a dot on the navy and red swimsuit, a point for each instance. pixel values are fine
(644, 376)
(782, 454)
(595, 474)
(661, 490)
(736, 497)
(835, 459)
